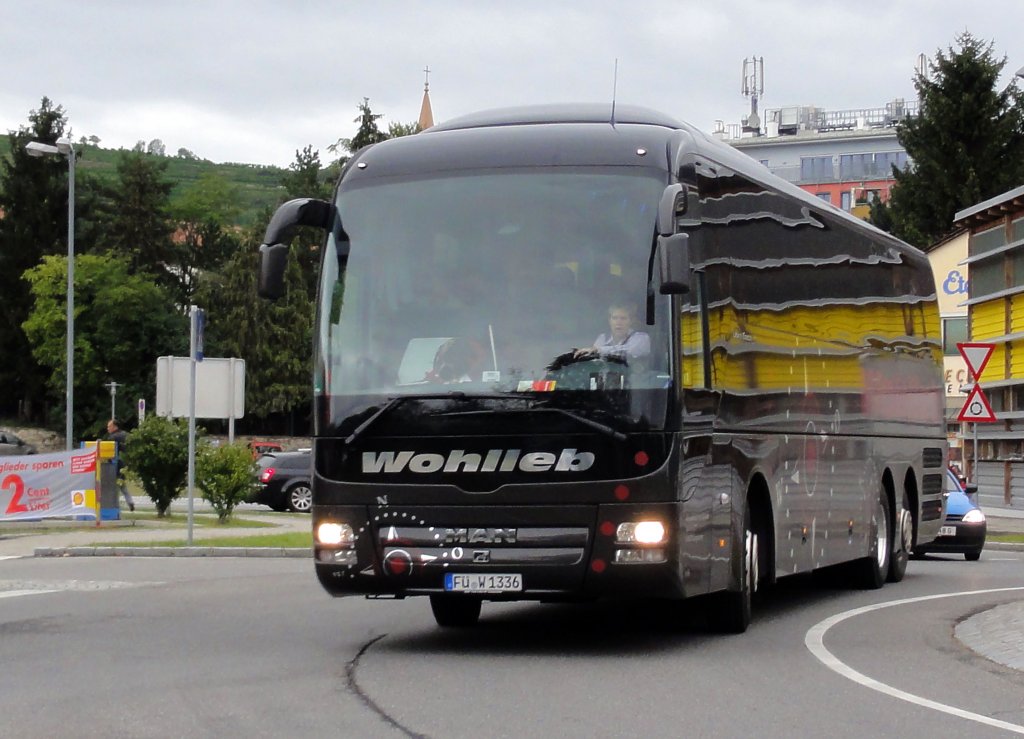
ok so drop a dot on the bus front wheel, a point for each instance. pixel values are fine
(732, 610)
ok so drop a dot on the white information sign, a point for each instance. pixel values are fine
(220, 387)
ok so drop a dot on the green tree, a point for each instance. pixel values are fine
(966, 145)
(156, 454)
(123, 322)
(33, 200)
(202, 213)
(274, 338)
(226, 475)
(397, 130)
(138, 225)
(304, 180)
(368, 133)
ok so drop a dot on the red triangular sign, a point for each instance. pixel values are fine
(976, 408)
(976, 356)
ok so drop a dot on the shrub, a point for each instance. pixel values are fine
(156, 454)
(226, 475)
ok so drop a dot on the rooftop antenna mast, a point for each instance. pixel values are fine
(615, 85)
(921, 67)
(753, 87)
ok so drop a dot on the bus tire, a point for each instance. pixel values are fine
(871, 571)
(732, 610)
(902, 539)
(455, 612)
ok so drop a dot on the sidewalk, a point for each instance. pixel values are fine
(58, 538)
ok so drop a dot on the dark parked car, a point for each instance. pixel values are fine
(12, 445)
(964, 528)
(284, 481)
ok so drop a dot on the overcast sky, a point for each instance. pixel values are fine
(255, 81)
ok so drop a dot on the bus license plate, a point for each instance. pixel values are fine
(947, 530)
(479, 582)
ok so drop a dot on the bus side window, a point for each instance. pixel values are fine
(692, 342)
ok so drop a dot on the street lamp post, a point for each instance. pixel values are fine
(113, 398)
(65, 148)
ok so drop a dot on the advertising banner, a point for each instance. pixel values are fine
(48, 485)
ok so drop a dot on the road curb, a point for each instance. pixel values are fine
(266, 552)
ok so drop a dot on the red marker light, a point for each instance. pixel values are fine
(607, 528)
(598, 566)
(641, 459)
(621, 492)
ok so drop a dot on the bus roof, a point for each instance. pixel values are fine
(562, 113)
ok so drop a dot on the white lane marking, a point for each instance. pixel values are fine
(16, 593)
(814, 640)
(11, 556)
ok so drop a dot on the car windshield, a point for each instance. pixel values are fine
(493, 283)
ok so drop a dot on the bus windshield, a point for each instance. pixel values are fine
(493, 282)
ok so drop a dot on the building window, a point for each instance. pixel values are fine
(816, 169)
(987, 277)
(826, 196)
(855, 166)
(1017, 227)
(954, 330)
(885, 161)
(988, 240)
(1018, 398)
(845, 201)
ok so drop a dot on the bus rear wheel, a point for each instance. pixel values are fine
(871, 572)
(903, 541)
(455, 612)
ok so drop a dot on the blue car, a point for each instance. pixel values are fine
(963, 530)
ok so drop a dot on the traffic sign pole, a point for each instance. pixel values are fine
(977, 408)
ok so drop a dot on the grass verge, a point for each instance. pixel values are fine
(291, 539)
(198, 519)
(1007, 538)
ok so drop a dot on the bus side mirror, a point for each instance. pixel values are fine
(273, 261)
(672, 206)
(280, 232)
(674, 264)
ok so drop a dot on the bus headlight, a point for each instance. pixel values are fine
(641, 532)
(332, 534)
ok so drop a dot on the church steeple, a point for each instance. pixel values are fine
(426, 114)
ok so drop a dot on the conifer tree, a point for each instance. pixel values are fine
(33, 199)
(965, 146)
(139, 228)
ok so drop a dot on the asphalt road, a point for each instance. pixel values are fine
(148, 647)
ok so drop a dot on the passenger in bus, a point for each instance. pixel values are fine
(457, 360)
(622, 341)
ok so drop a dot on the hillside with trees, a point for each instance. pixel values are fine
(154, 233)
(255, 186)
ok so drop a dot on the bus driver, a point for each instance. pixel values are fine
(622, 342)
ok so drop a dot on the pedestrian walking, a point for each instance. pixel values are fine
(114, 433)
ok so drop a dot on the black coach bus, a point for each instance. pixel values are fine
(565, 353)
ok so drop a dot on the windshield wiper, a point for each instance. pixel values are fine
(394, 403)
(456, 395)
(596, 425)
